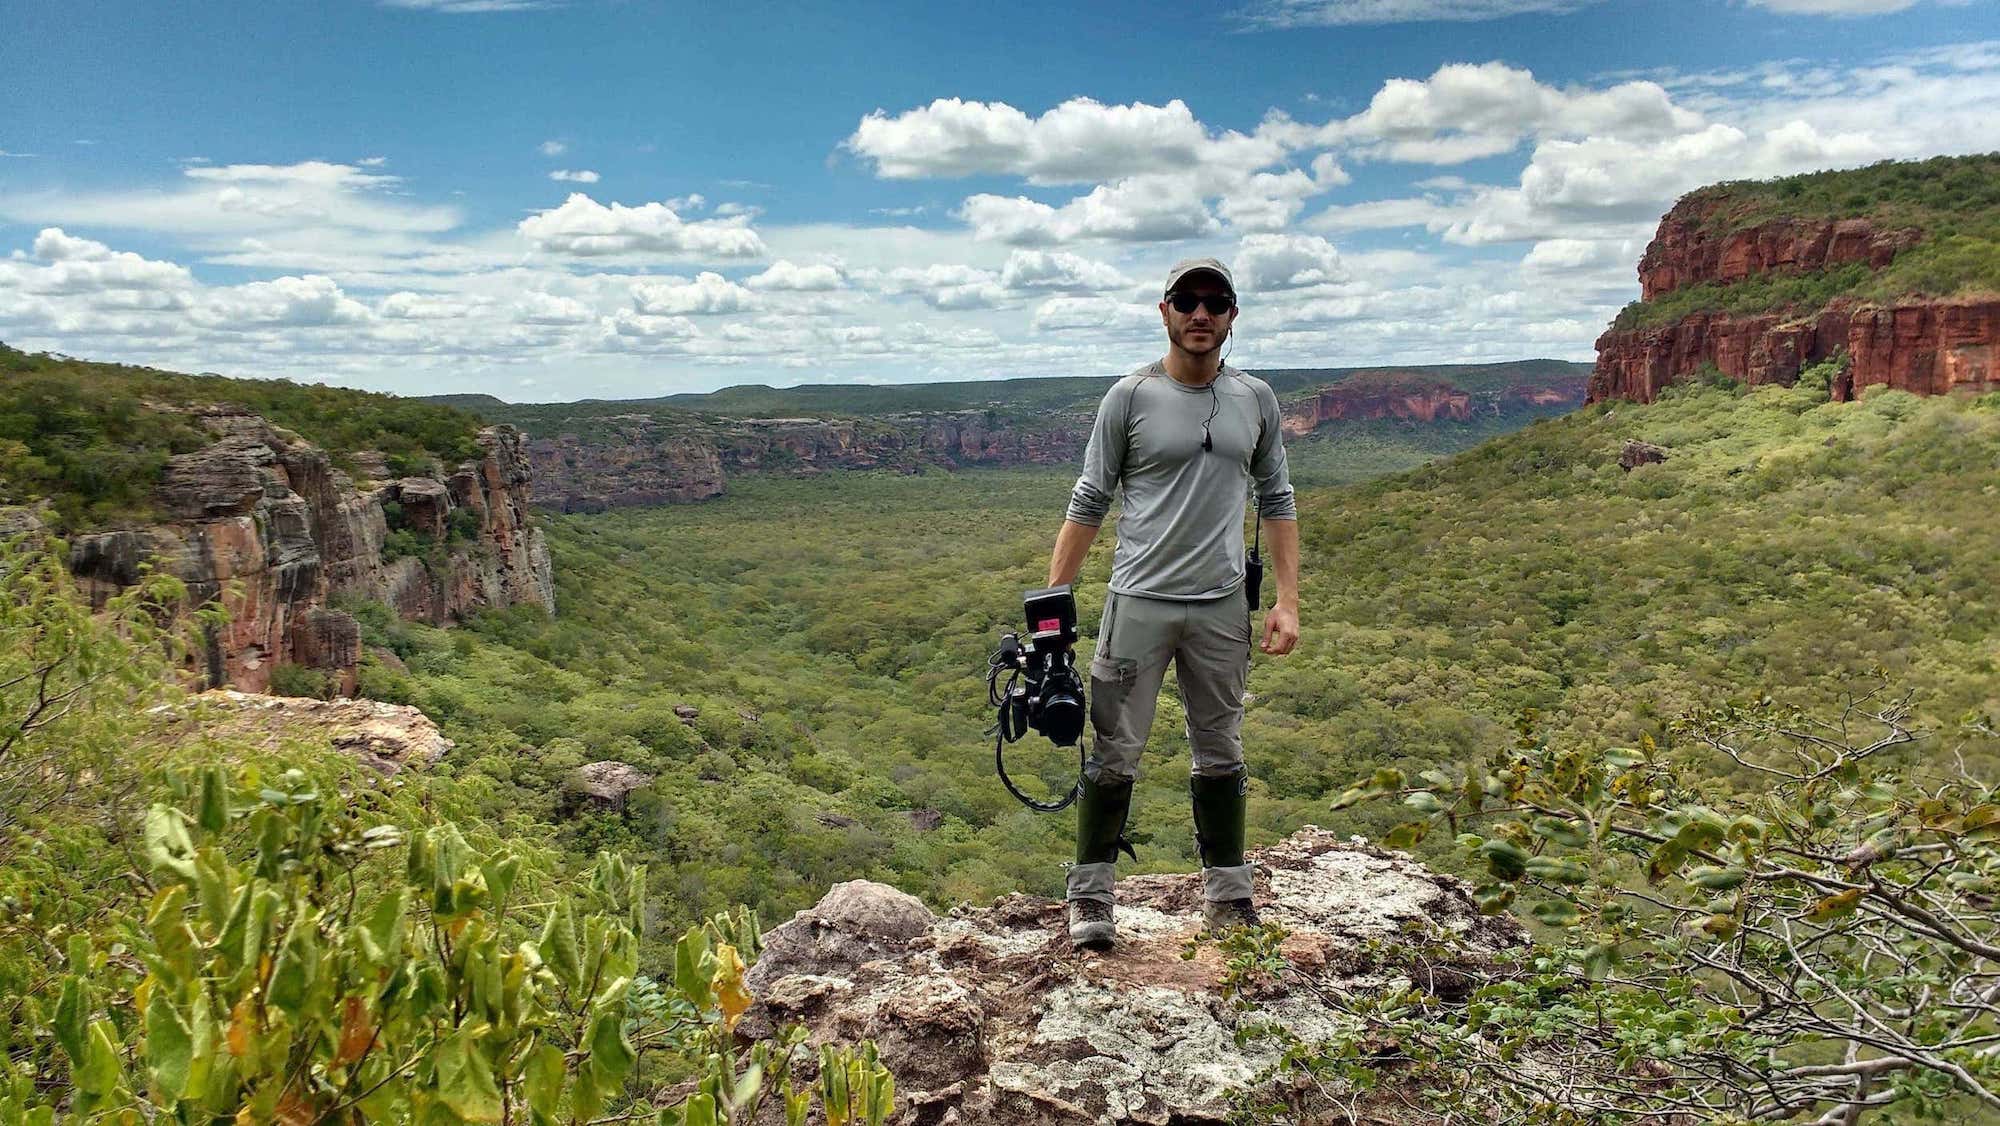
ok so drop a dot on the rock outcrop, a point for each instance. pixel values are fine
(1368, 396)
(603, 786)
(1928, 347)
(387, 737)
(988, 1018)
(261, 522)
(1697, 244)
(1924, 347)
(642, 459)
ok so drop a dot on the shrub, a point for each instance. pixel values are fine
(1823, 940)
(298, 680)
(300, 963)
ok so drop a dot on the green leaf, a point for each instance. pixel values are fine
(168, 846)
(1717, 879)
(691, 970)
(297, 966)
(1557, 871)
(382, 936)
(169, 1046)
(1556, 913)
(611, 1055)
(1598, 960)
(465, 1079)
(1423, 801)
(699, 1111)
(542, 1078)
(1566, 833)
(100, 1072)
(558, 946)
(1504, 859)
(71, 1020)
(213, 812)
(1835, 906)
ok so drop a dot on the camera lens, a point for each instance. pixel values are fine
(1062, 718)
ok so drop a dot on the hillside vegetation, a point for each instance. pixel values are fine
(1787, 546)
(829, 637)
(1953, 201)
(91, 437)
(1006, 398)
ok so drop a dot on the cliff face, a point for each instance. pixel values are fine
(643, 460)
(261, 522)
(1691, 248)
(1362, 398)
(1925, 347)
(1929, 347)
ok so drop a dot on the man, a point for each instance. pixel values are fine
(1182, 440)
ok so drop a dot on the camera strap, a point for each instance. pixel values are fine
(1000, 767)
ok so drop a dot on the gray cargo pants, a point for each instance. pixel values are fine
(1208, 643)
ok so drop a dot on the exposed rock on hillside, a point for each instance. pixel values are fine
(388, 737)
(987, 1017)
(1367, 396)
(641, 459)
(262, 521)
(603, 785)
(1694, 246)
(1925, 346)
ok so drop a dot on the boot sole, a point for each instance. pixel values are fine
(1093, 936)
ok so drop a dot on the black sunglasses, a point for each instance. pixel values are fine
(1216, 303)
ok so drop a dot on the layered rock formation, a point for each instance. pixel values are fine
(988, 1018)
(261, 522)
(645, 459)
(1696, 244)
(1928, 347)
(1368, 396)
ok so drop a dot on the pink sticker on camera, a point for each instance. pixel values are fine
(1047, 624)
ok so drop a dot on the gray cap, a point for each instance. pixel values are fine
(1188, 266)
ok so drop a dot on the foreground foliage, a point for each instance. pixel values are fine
(294, 948)
(1827, 945)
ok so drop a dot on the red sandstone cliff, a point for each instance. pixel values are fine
(1367, 396)
(1696, 245)
(263, 522)
(1926, 346)
(641, 460)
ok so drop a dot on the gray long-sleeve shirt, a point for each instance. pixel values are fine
(1180, 535)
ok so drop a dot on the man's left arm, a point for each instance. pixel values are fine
(1278, 510)
(1281, 623)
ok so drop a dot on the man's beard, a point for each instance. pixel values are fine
(1179, 340)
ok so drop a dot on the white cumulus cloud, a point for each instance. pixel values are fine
(785, 275)
(707, 293)
(576, 176)
(1274, 261)
(586, 228)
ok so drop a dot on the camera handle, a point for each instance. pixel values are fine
(1253, 572)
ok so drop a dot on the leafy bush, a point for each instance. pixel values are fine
(1822, 942)
(298, 680)
(292, 967)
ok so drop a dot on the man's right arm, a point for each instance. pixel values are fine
(1090, 500)
(1072, 544)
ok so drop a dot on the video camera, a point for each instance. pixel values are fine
(1043, 690)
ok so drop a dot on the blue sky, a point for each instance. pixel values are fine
(559, 200)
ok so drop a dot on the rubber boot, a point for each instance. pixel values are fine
(1101, 811)
(1220, 806)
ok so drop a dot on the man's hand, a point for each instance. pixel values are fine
(1281, 630)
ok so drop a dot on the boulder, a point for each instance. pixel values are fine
(603, 786)
(1637, 453)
